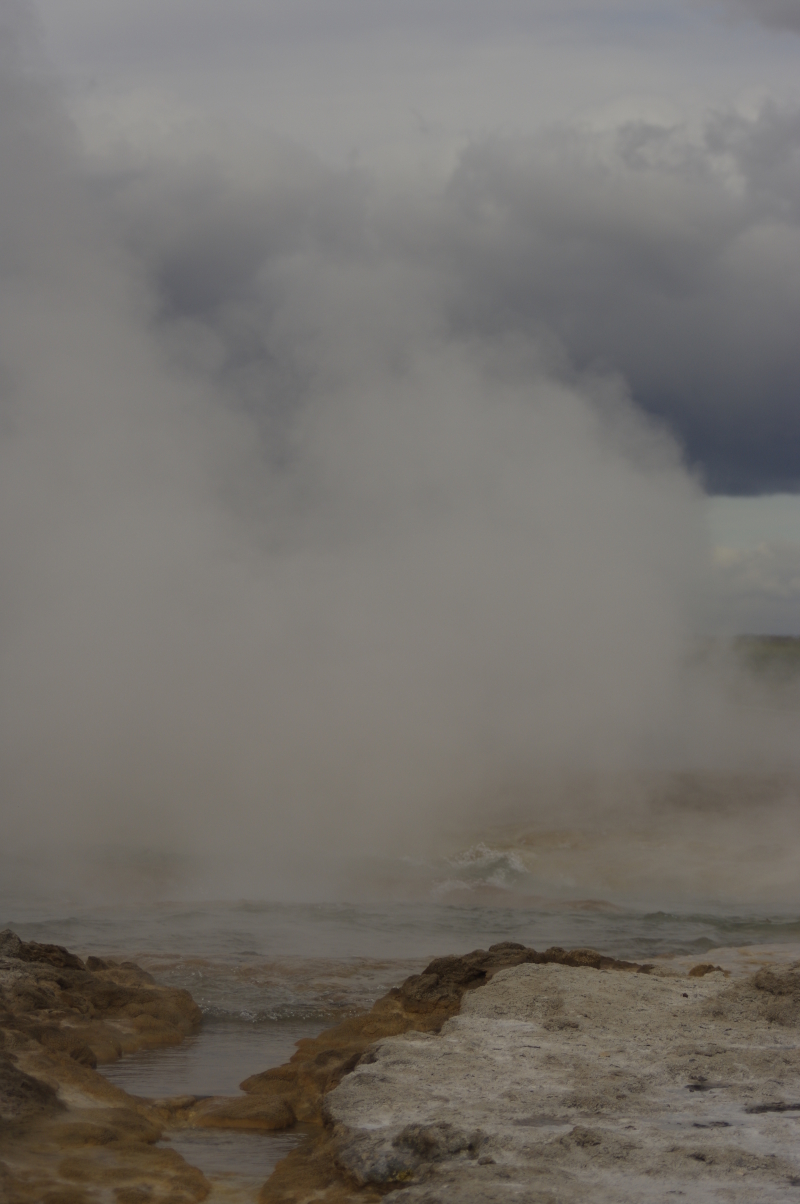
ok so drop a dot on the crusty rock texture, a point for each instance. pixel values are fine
(422, 1004)
(67, 1136)
(555, 1085)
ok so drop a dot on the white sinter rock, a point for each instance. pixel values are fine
(557, 1084)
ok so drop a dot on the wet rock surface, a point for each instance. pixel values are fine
(67, 1136)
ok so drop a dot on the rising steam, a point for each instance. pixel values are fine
(295, 565)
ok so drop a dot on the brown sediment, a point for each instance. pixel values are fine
(68, 1135)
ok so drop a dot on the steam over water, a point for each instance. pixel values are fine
(311, 578)
(339, 577)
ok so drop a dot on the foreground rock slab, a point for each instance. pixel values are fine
(421, 1004)
(557, 1084)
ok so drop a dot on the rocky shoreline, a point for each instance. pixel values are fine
(567, 1076)
(68, 1136)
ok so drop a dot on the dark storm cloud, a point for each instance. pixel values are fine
(672, 260)
(666, 257)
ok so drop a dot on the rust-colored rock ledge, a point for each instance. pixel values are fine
(67, 1135)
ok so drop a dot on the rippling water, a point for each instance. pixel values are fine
(265, 974)
(314, 956)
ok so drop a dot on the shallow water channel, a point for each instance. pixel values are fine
(214, 1062)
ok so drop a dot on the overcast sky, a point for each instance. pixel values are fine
(351, 77)
(620, 176)
(641, 161)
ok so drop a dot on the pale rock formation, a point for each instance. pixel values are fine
(557, 1084)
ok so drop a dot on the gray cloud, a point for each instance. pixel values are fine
(667, 258)
(198, 26)
(780, 14)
